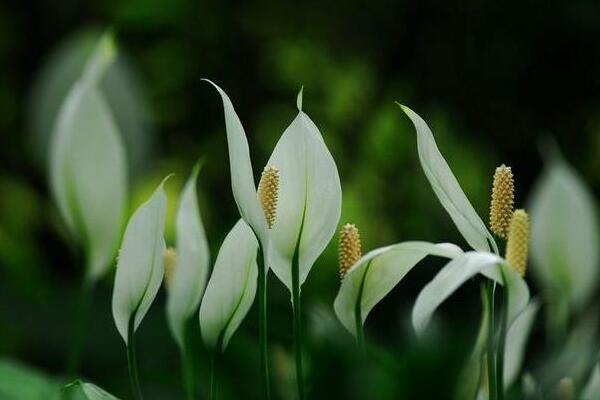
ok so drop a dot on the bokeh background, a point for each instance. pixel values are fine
(495, 81)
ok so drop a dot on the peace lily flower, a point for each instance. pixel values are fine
(479, 262)
(230, 292)
(564, 241)
(367, 279)
(308, 208)
(88, 173)
(186, 269)
(88, 178)
(139, 273)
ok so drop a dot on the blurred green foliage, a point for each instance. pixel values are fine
(491, 79)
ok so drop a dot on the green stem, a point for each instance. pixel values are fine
(502, 344)
(132, 361)
(491, 356)
(187, 363)
(213, 375)
(262, 324)
(81, 320)
(297, 322)
(360, 334)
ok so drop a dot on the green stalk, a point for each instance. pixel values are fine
(262, 322)
(132, 361)
(502, 344)
(187, 363)
(213, 376)
(297, 320)
(360, 333)
(491, 354)
(81, 320)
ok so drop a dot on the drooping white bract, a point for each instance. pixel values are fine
(88, 172)
(460, 270)
(192, 266)
(375, 274)
(231, 288)
(140, 264)
(309, 203)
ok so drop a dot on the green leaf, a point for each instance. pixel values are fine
(20, 382)
(310, 195)
(231, 288)
(447, 189)
(516, 342)
(140, 265)
(242, 176)
(564, 235)
(377, 273)
(88, 172)
(192, 265)
(460, 270)
(89, 391)
(592, 387)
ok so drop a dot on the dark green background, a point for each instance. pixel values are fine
(493, 79)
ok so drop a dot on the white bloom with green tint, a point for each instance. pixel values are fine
(310, 198)
(564, 235)
(191, 269)
(242, 175)
(140, 265)
(460, 270)
(309, 203)
(88, 170)
(446, 187)
(231, 288)
(377, 273)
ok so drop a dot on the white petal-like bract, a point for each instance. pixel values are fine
(192, 262)
(231, 288)
(377, 273)
(88, 169)
(564, 235)
(140, 265)
(447, 189)
(310, 198)
(457, 272)
(242, 177)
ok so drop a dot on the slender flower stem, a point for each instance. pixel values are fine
(360, 334)
(187, 363)
(81, 320)
(501, 344)
(491, 353)
(213, 375)
(297, 322)
(132, 361)
(262, 324)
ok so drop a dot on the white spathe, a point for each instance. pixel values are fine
(88, 169)
(140, 264)
(192, 261)
(231, 288)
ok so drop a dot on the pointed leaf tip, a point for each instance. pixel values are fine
(299, 98)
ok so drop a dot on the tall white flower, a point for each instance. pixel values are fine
(309, 196)
(88, 170)
(190, 267)
(140, 264)
(231, 288)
